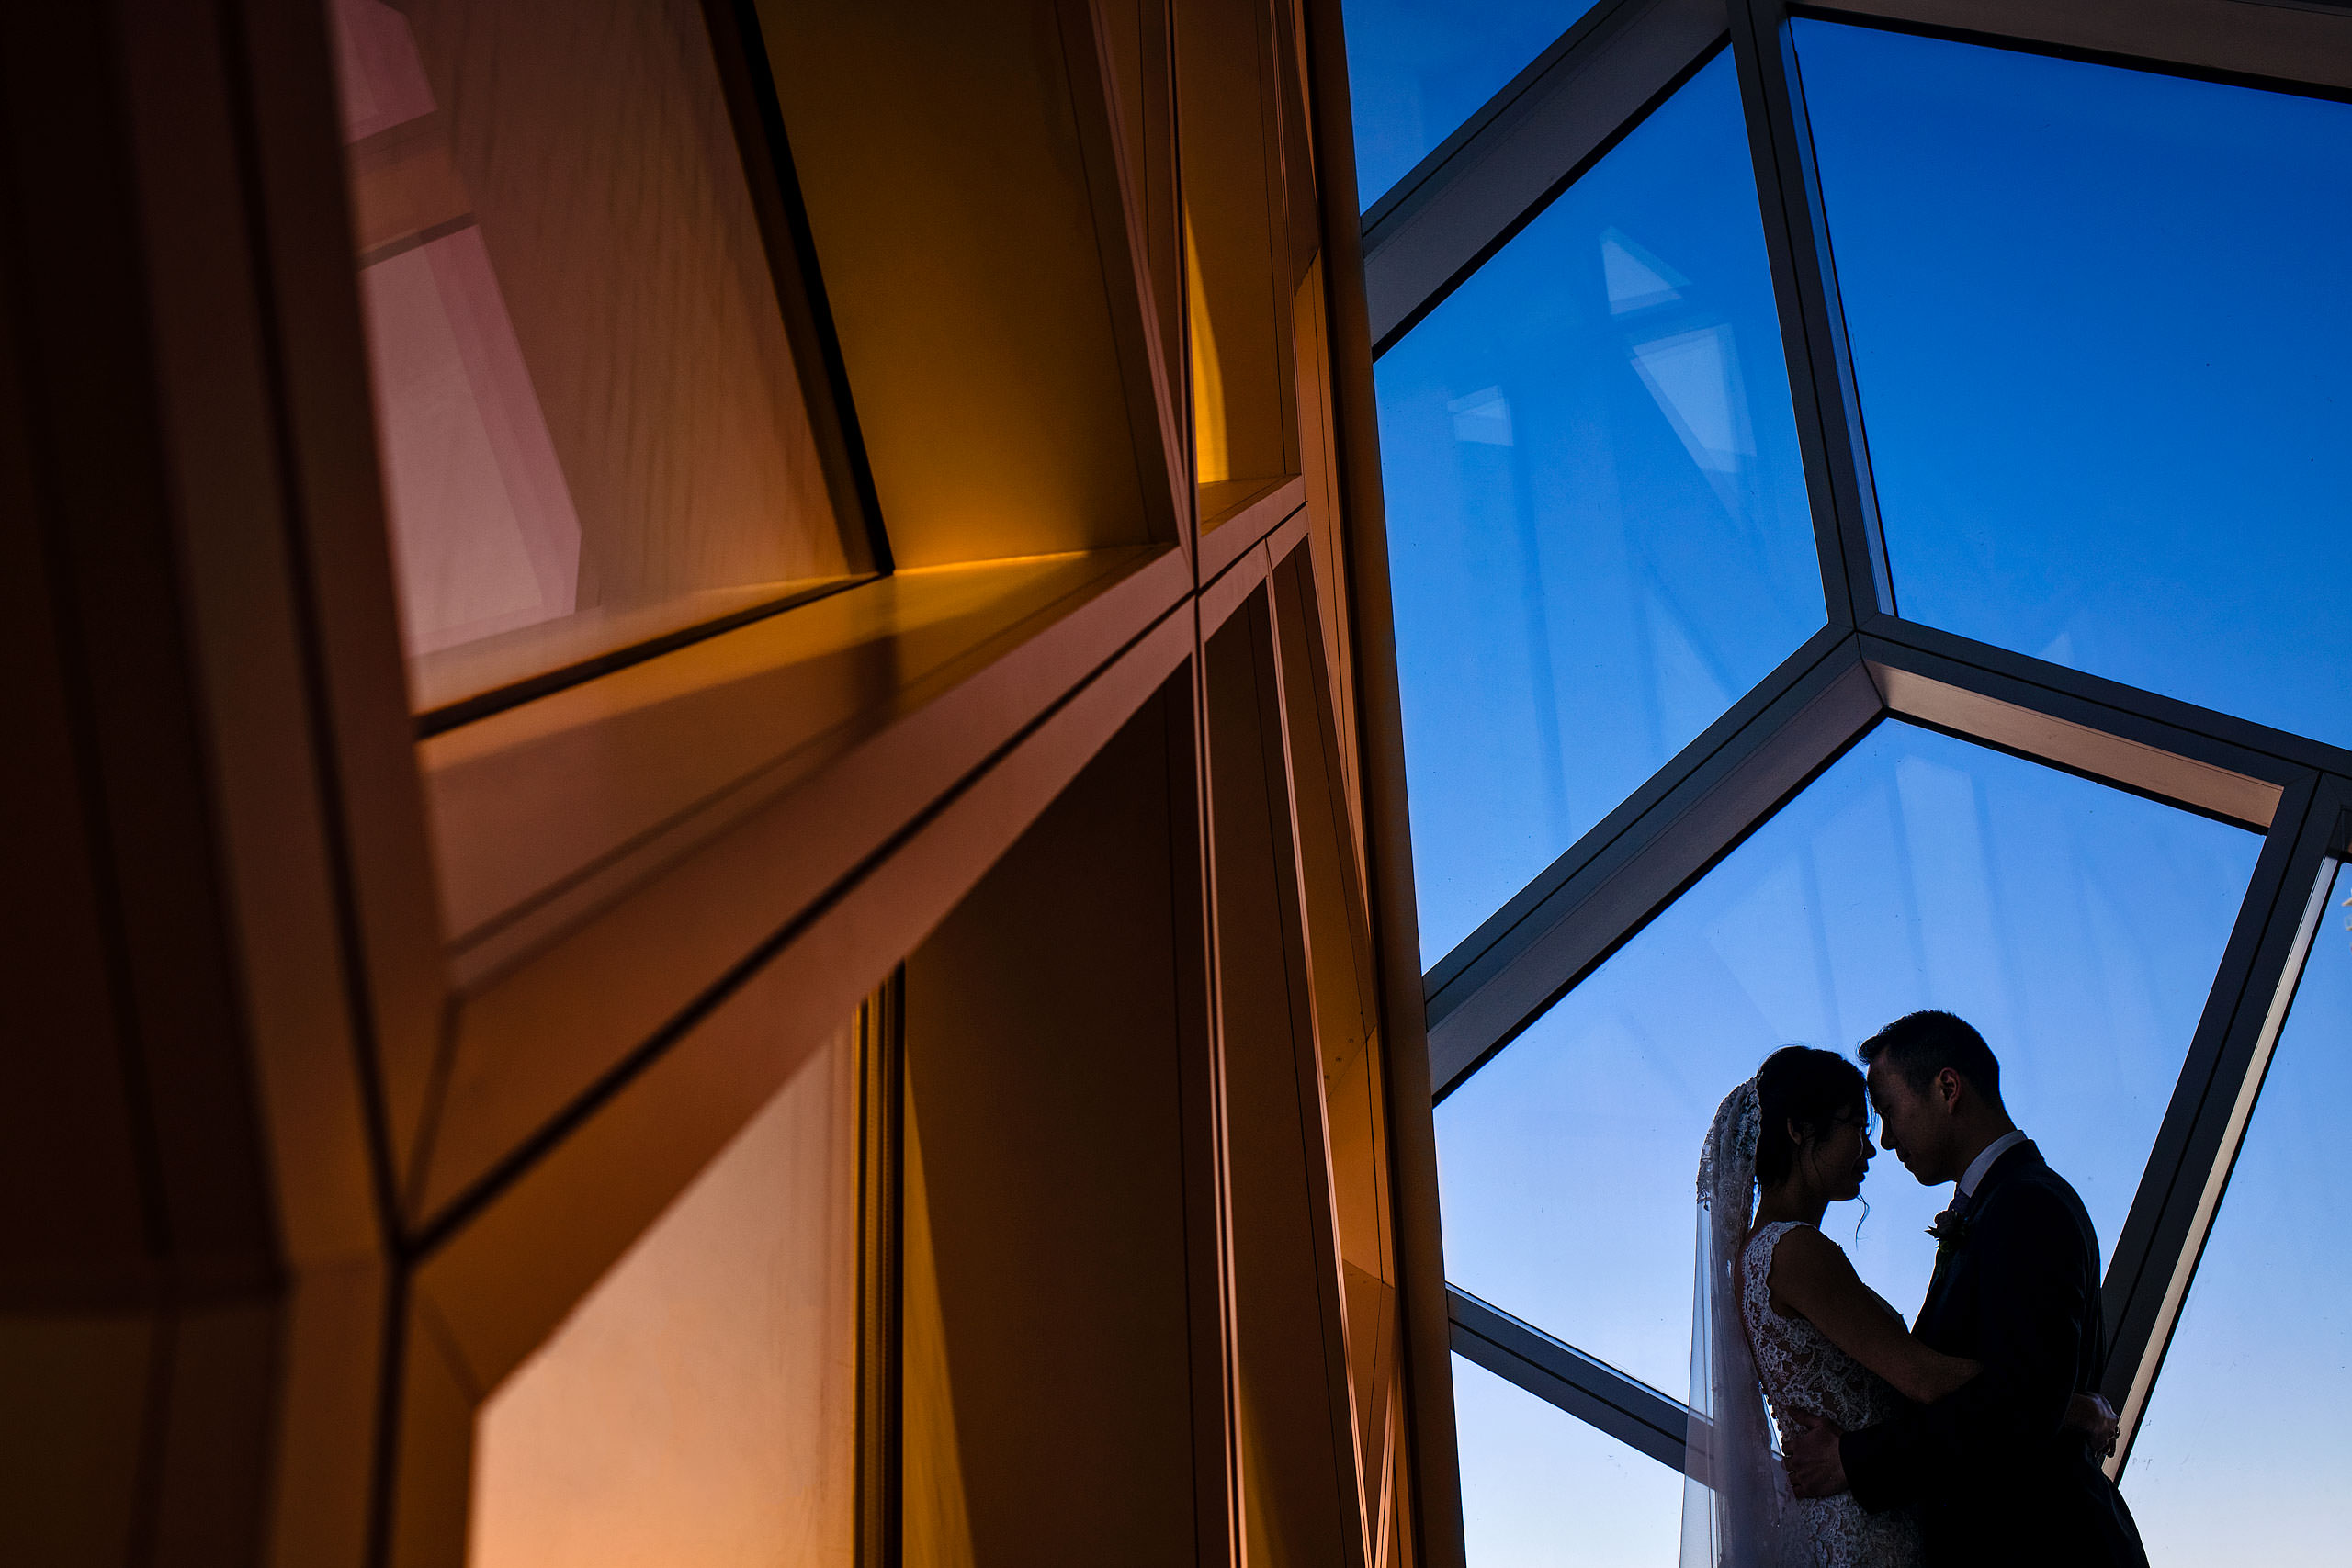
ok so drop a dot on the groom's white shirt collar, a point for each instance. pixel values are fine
(1983, 1161)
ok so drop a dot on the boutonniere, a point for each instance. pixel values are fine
(1951, 1231)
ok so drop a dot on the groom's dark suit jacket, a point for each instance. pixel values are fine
(1991, 1473)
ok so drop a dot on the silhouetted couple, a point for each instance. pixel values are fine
(1974, 1437)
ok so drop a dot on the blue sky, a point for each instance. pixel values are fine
(2245, 1448)
(1598, 530)
(2104, 347)
(1419, 68)
(2102, 325)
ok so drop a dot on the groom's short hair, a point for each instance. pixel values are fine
(1920, 1044)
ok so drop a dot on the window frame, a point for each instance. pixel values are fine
(1478, 191)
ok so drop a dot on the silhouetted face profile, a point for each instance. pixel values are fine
(1917, 1126)
(1837, 1160)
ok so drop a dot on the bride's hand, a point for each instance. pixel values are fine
(1812, 1458)
(2094, 1417)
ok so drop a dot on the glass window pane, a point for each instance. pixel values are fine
(2104, 345)
(1541, 1489)
(2077, 927)
(1417, 69)
(1597, 517)
(2246, 1447)
(591, 430)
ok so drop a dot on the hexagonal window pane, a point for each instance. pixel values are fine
(1598, 525)
(2076, 926)
(2104, 348)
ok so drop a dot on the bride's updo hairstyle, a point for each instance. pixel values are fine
(1810, 1088)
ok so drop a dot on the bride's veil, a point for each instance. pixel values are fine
(1737, 1510)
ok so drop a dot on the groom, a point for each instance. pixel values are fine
(1990, 1473)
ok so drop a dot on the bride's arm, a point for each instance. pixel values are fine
(1812, 1277)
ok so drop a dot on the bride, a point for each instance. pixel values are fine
(1780, 1307)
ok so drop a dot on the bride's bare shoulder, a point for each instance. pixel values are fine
(1802, 1255)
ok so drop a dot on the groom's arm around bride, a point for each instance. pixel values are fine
(1993, 1471)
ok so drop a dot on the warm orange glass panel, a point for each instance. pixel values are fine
(698, 1409)
(592, 427)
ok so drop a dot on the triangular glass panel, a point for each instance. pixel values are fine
(1417, 69)
(2244, 1449)
(2077, 927)
(1599, 532)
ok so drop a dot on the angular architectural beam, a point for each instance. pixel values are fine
(2156, 1257)
(1593, 899)
(1486, 181)
(1855, 581)
(1633, 1413)
(2280, 41)
(1726, 783)
(2156, 745)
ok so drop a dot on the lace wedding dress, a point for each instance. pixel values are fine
(1804, 1373)
(1737, 1509)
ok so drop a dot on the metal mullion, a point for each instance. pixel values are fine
(1564, 1377)
(1529, 142)
(2149, 717)
(1854, 577)
(1691, 813)
(2290, 46)
(1415, 186)
(2172, 1214)
(1443, 974)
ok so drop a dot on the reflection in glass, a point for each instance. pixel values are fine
(1597, 518)
(2076, 926)
(591, 429)
(2104, 346)
(2246, 1447)
(1244, 435)
(1417, 69)
(1541, 1489)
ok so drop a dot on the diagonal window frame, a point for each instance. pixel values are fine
(1475, 193)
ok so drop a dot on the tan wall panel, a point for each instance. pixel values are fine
(1297, 1434)
(545, 1031)
(1320, 465)
(699, 1405)
(1049, 1385)
(1235, 249)
(1340, 961)
(943, 158)
(1138, 41)
(215, 1435)
(74, 1388)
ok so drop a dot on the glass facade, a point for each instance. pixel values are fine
(1597, 514)
(2076, 926)
(2078, 329)
(1419, 68)
(2244, 1449)
(2125, 424)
